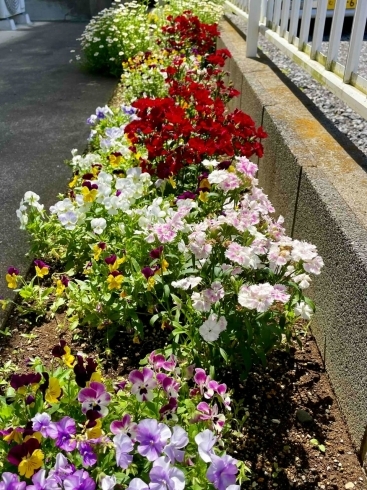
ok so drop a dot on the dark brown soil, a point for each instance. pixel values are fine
(267, 434)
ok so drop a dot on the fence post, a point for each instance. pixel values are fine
(253, 28)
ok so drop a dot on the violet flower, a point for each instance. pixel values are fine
(40, 482)
(63, 432)
(108, 482)
(178, 441)
(143, 384)
(86, 452)
(95, 398)
(62, 469)
(222, 472)
(11, 482)
(41, 423)
(137, 484)
(80, 480)
(205, 441)
(152, 437)
(124, 446)
(166, 477)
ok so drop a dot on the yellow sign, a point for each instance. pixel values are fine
(351, 4)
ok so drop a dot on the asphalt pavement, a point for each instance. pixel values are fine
(44, 103)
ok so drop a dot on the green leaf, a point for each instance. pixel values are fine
(223, 353)
(315, 442)
(322, 448)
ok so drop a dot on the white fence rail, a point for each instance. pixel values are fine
(286, 23)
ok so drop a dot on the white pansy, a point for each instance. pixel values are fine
(68, 220)
(98, 225)
(108, 482)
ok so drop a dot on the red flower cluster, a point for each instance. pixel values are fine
(192, 124)
(186, 32)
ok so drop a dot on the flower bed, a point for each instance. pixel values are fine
(163, 223)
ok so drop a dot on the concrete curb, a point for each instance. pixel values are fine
(319, 187)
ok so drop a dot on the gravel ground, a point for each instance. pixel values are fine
(344, 118)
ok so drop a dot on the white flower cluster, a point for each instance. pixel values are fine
(27, 204)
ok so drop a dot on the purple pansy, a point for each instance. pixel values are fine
(152, 437)
(124, 446)
(205, 441)
(19, 380)
(80, 480)
(158, 361)
(149, 271)
(142, 384)
(62, 469)
(178, 441)
(137, 484)
(163, 476)
(124, 426)
(156, 252)
(222, 472)
(95, 398)
(40, 482)
(168, 411)
(86, 452)
(41, 422)
(11, 482)
(187, 195)
(208, 413)
(13, 270)
(63, 432)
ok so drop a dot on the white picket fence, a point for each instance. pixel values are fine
(278, 21)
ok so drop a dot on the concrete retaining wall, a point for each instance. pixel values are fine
(320, 187)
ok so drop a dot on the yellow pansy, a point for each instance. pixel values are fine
(59, 287)
(73, 182)
(115, 160)
(116, 264)
(203, 196)
(204, 184)
(3, 304)
(41, 271)
(164, 265)
(97, 252)
(96, 431)
(95, 170)
(150, 283)
(231, 169)
(11, 279)
(53, 392)
(114, 282)
(13, 436)
(35, 435)
(96, 376)
(30, 463)
(67, 357)
(89, 195)
(172, 182)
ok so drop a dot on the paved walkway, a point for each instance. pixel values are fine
(44, 102)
